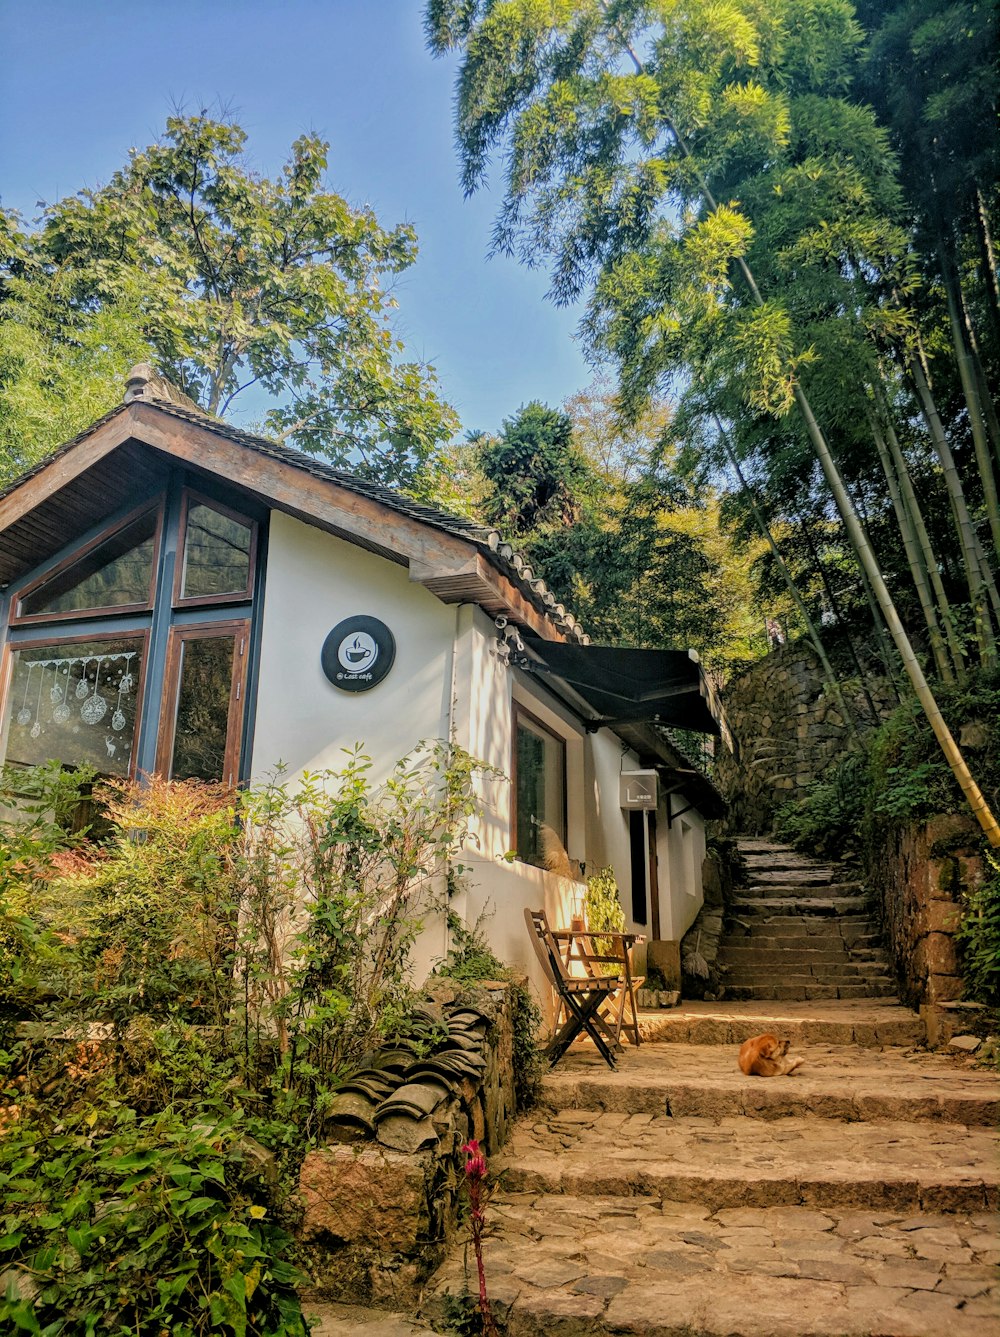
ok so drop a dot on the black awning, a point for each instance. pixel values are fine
(628, 686)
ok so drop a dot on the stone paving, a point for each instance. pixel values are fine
(856, 1198)
(573, 1265)
(873, 1023)
(676, 1197)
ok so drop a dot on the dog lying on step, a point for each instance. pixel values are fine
(764, 1056)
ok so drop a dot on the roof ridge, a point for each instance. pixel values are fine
(495, 548)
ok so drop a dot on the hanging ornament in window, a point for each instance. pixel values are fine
(118, 718)
(24, 714)
(36, 728)
(62, 711)
(83, 686)
(95, 707)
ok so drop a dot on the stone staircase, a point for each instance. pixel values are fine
(800, 930)
(677, 1198)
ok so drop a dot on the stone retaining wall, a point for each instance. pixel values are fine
(382, 1198)
(918, 876)
(789, 728)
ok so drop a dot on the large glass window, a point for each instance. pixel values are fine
(539, 792)
(203, 703)
(115, 573)
(75, 701)
(218, 553)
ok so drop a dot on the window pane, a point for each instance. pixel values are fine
(117, 572)
(540, 798)
(74, 703)
(216, 553)
(203, 708)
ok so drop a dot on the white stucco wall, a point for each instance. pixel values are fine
(314, 581)
(446, 679)
(681, 851)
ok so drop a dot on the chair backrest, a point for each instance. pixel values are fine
(544, 945)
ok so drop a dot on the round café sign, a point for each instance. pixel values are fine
(358, 653)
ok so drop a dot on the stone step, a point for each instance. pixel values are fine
(836, 1081)
(776, 891)
(801, 978)
(808, 990)
(814, 935)
(800, 905)
(750, 951)
(806, 877)
(565, 1265)
(731, 1161)
(757, 861)
(871, 1024)
(802, 968)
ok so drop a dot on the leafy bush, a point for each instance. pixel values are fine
(114, 1224)
(978, 937)
(37, 810)
(604, 913)
(828, 819)
(202, 976)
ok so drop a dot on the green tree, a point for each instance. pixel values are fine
(698, 169)
(60, 367)
(604, 514)
(246, 281)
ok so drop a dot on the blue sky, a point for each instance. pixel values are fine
(86, 79)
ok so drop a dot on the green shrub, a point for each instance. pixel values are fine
(828, 819)
(978, 937)
(604, 914)
(113, 1224)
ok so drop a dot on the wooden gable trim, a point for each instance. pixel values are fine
(64, 467)
(451, 569)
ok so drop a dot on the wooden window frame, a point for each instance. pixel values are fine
(190, 497)
(44, 642)
(519, 713)
(19, 619)
(237, 694)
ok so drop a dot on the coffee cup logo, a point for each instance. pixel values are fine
(358, 653)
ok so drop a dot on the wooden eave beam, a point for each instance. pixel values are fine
(63, 468)
(448, 566)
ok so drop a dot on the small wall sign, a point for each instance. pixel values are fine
(637, 789)
(358, 653)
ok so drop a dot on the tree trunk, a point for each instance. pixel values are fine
(835, 607)
(932, 710)
(830, 678)
(923, 537)
(914, 557)
(970, 391)
(982, 383)
(963, 520)
(987, 253)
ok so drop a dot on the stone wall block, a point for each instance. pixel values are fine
(376, 1220)
(359, 1195)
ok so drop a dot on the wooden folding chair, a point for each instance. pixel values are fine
(581, 995)
(595, 949)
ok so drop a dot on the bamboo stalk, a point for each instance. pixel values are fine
(914, 557)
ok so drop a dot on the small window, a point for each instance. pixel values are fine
(203, 702)
(75, 702)
(116, 573)
(539, 792)
(218, 552)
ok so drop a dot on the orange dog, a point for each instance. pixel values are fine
(764, 1056)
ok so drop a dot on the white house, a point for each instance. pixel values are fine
(179, 597)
